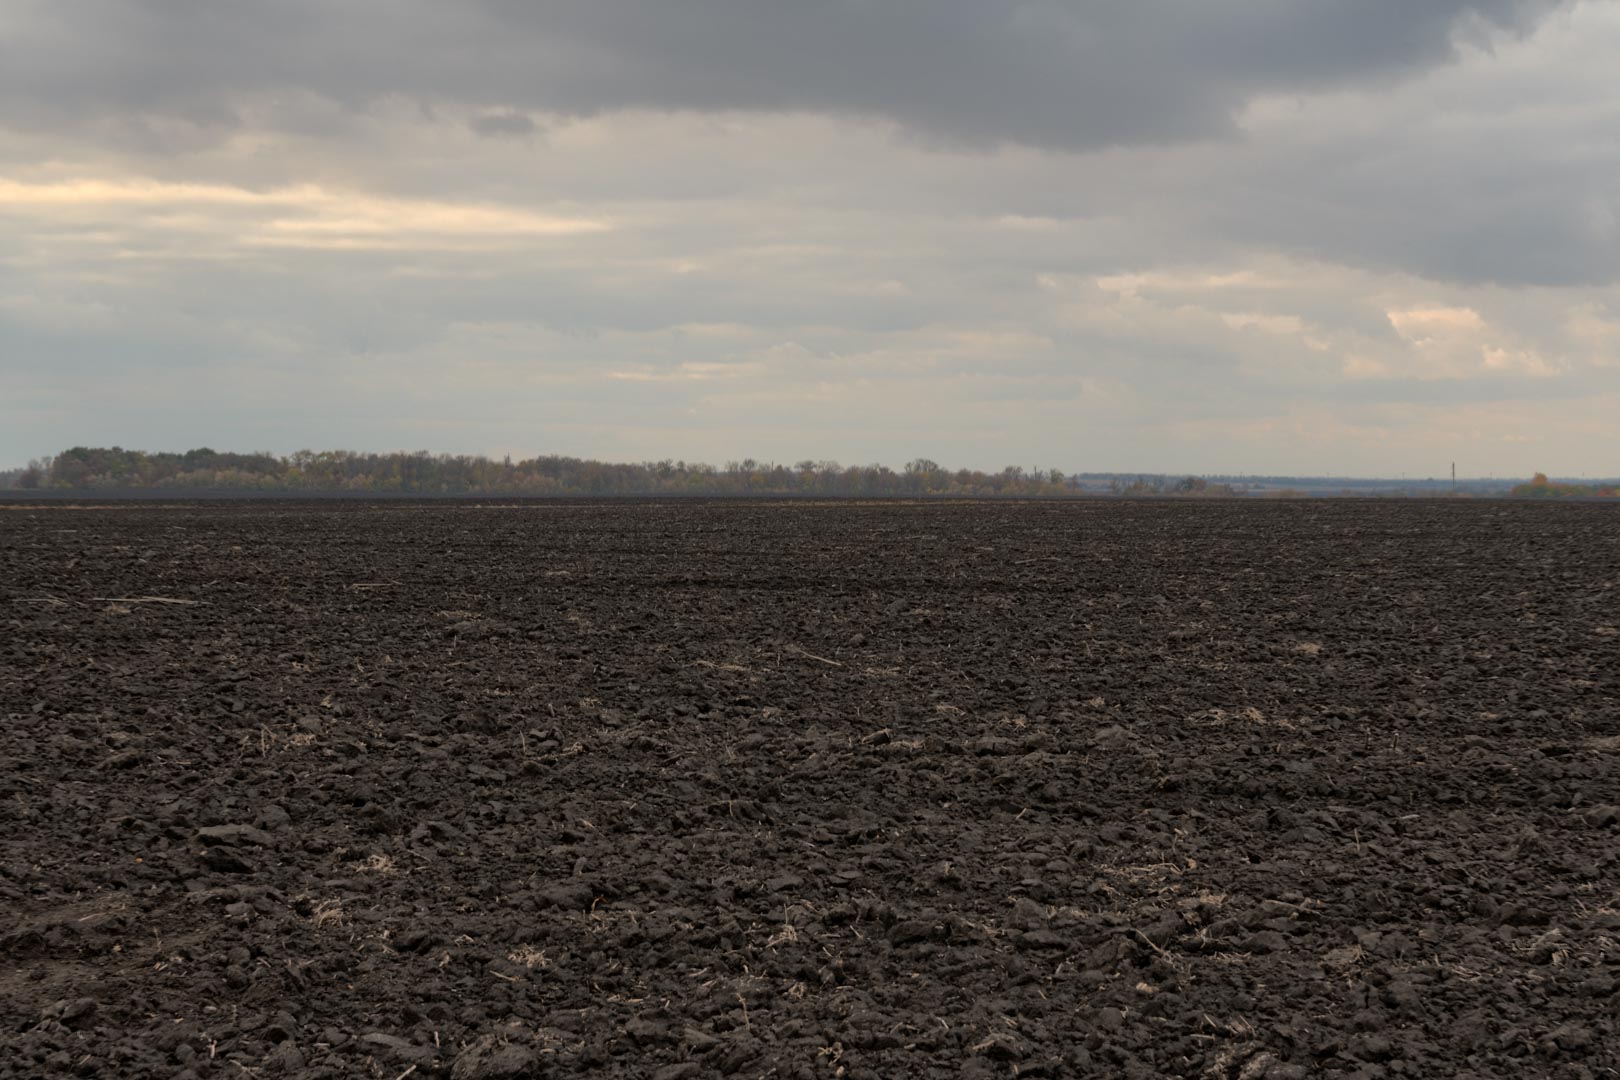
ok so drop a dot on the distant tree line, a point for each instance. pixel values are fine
(34, 475)
(1163, 485)
(1539, 487)
(86, 468)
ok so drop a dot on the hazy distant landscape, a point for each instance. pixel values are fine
(114, 470)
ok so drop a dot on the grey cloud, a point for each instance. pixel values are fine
(1057, 73)
(502, 122)
(1504, 181)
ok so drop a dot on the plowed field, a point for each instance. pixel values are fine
(810, 790)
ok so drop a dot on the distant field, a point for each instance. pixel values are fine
(1230, 788)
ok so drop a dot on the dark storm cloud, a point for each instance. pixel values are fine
(1058, 73)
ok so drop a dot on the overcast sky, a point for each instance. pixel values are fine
(1365, 237)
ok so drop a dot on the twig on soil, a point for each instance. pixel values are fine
(146, 600)
(1149, 942)
(711, 665)
(374, 584)
(813, 656)
(53, 601)
(406, 1073)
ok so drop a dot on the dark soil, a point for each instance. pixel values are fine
(863, 790)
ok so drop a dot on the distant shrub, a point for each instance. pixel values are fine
(1540, 487)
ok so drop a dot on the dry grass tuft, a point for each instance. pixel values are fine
(275, 738)
(1247, 717)
(328, 913)
(530, 957)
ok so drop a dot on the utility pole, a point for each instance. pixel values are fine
(1454, 478)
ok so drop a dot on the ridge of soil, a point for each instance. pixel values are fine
(860, 790)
